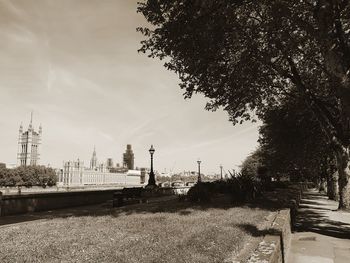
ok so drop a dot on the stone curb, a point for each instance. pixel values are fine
(274, 247)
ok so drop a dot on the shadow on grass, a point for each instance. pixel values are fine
(168, 205)
(272, 202)
(255, 232)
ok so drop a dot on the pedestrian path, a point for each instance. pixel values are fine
(322, 234)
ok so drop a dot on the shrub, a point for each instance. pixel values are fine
(200, 192)
(240, 189)
(243, 189)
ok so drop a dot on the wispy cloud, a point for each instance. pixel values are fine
(12, 8)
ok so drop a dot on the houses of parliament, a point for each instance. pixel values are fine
(28, 145)
(74, 173)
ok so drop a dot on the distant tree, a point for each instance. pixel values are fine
(245, 56)
(28, 176)
(13, 178)
(3, 175)
(251, 164)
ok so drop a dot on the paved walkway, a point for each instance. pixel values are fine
(322, 234)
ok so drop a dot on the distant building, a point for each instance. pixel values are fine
(75, 174)
(128, 158)
(28, 145)
(143, 176)
(110, 163)
(93, 161)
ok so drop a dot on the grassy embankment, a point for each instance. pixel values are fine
(163, 232)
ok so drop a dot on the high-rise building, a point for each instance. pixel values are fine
(28, 145)
(128, 158)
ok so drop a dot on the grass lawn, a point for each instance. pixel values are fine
(163, 232)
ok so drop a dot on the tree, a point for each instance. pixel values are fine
(251, 165)
(28, 176)
(292, 143)
(247, 56)
(3, 175)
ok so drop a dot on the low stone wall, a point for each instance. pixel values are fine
(24, 203)
(276, 243)
(274, 246)
(277, 235)
(12, 204)
(176, 190)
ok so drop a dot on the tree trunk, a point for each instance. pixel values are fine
(332, 187)
(344, 178)
(323, 185)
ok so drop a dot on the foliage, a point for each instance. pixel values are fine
(200, 192)
(292, 143)
(247, 55)
(240, 189)
(252, 164)
(28, 176)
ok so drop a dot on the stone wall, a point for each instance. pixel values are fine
(276, 240)
(274, 246)
(177, 190)
(24, 203)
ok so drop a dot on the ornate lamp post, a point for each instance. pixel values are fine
(199, 171)
(151, 180)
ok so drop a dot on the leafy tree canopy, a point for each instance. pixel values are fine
(292, 142)
(248, 55)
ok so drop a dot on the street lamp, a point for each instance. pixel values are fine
(221, 172)
(151, 179)
(199, 171)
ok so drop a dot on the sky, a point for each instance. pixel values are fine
(75, 64)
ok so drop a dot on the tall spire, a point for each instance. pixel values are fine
(31, 121)
(93, 161)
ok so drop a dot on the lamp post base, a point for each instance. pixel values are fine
(151, 187)
(151, 180)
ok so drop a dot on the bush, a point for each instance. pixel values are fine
(271, 186)
(243, 189)
(200, 192)
(240, 189)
